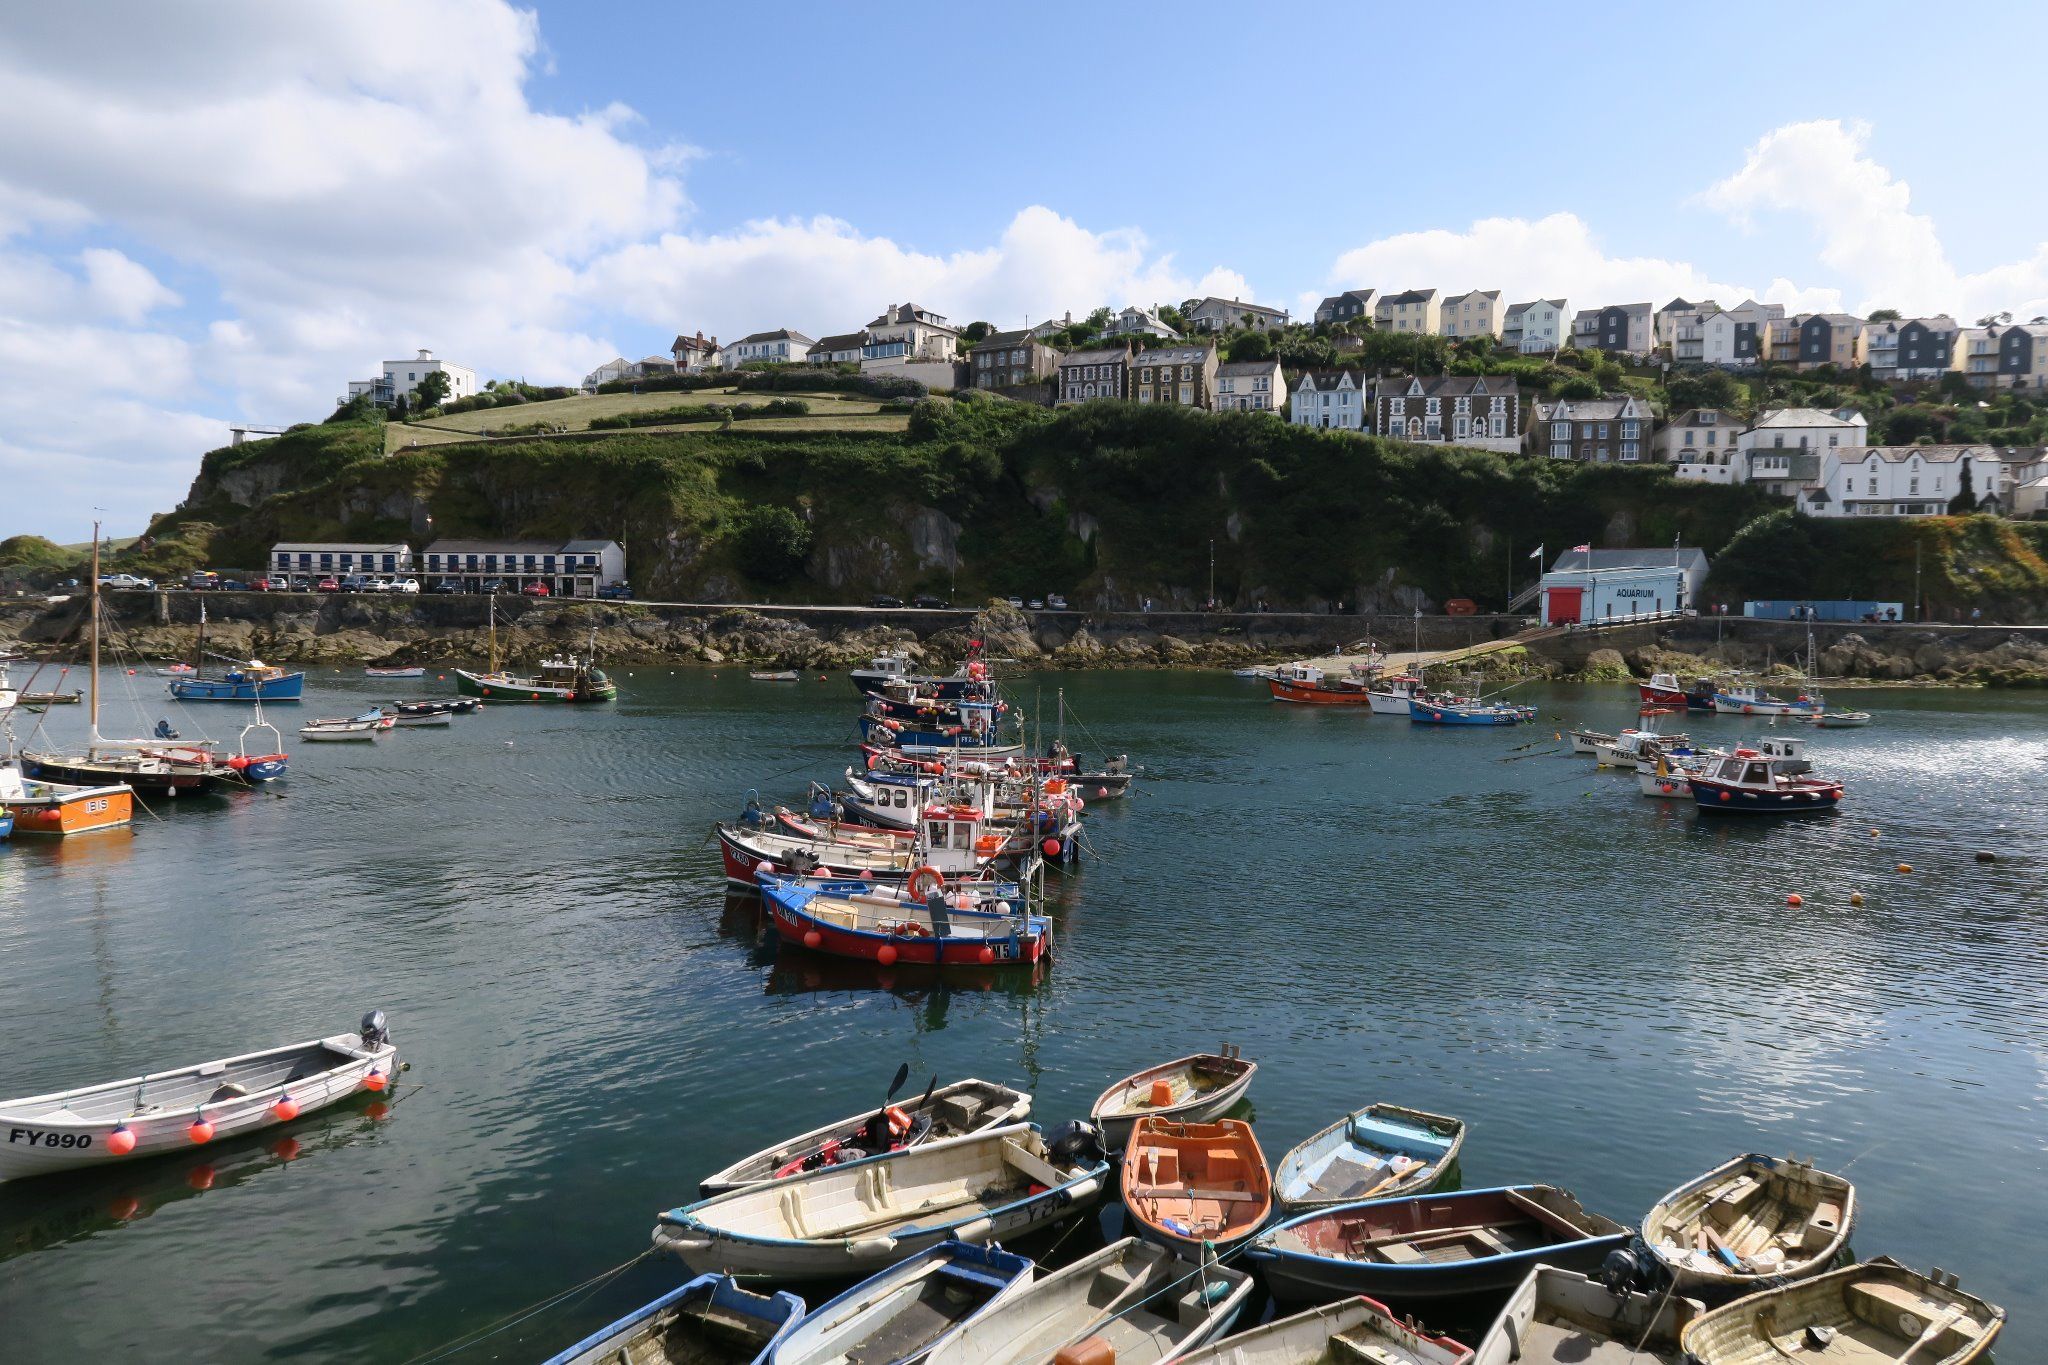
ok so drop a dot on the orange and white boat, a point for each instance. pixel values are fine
(1306, 685)
(40, 807)
(1192, 1186)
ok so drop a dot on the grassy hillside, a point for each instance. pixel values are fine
(829, 412)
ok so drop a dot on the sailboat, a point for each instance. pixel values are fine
(562, 677)
(244, 679)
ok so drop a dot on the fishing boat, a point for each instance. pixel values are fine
(563, 677)
(780, 675)
(1631, 748)
(39, 807)
(887, 668)
(1559, 1317)
(853, 919)
(169, 1111)
(1192, 1089)
(1750, 1221)
(1437, 711)
(1356, 1331)
(1665, 778)
(956, 842)
(978, 731)
(265, 765)
(1664, 689)
(1131, 1303)
(1755, 782)
(1259, 671)
(1380, 1152)
(857, 1217)
(1306, 685)
(1391, 695)
(1590, 742)
(1749, 699)
(6, 822)
(708, 1321)
(947, 1111)
(413, 672)
(346, 729)
(241, 680)
(1196, 1187)
(1432, 1247)
(898, 1316)
(1870, 1313)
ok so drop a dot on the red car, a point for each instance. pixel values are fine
(535, 589)
(263, 585)
(329, 584)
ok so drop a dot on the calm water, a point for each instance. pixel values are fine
(1613, 993)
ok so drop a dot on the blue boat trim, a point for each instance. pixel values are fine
(720, 1289)
(1003, 1269)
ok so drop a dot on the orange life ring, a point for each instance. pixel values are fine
(916, 878)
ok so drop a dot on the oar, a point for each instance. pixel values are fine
(1934, 1329)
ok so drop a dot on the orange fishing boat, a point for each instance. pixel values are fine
(1191, 1185)
(1306, 685)
(54, 808)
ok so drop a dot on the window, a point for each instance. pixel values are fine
(1187, 394)
(1688, 438)
(1500, 424)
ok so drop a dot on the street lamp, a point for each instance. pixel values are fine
(1212, 571)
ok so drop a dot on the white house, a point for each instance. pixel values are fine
(1536, 327)
(907, 334)
(1215, 315)
(401, 377)
(694, 355)
(576, 568)
(781, 346)
(1250, 386)
(1806, 429)
(1902, 481)
(1136, 321)
(1337, 399)
(314, 559)
(618, 367)
(1732, 338)
(845, 349)
(1476, 313)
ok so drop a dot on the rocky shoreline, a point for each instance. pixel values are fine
(300, 630)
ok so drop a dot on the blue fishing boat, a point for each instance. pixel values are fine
(907, 1311)
(1767, 782)
(1431, 711)
(1432, 1247)
(6, 823)
(708, 1321)
(977, 732)
(1382, 1151)
(250, 681)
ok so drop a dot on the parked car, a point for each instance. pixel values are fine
(448, 585)
(886, 602)
(373, 583)
(535, 589)
(493, 585)
(1056, 602)
(356, 582)
(1038, 604)
(124, 580)
(406, 587)
(303, 582)
(263, 583)
(616, 592)
(202, 580)
(924, 601)
(328, 584)
(1014, 601)
(230, 585)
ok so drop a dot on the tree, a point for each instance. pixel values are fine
(432, 388)
(770, 543)
(1171, 316)
(1707, 389)
(1246, 346)
(1884, 315)
(977, 332)
(1965, 500)
(1099, 319)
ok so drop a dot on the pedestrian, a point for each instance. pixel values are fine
(1974, 613)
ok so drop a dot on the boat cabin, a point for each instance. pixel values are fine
(566, 670)
(1788, 754)
(956, 838)
(1402, 685)
(1773, 767)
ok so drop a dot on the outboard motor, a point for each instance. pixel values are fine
(164, 730)
(375, 1034)
(822, 805)
(750, 814)
(1075, 1143)
(1622, 1272)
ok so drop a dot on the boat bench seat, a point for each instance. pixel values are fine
(1400, 1253)
(1398, 1137)
(1892, 1307)
(970, 1275)
(1345, 1348)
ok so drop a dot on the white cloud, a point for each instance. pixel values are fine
(121, 288)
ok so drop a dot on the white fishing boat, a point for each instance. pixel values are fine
(776, 675)
(1389, 696)
(1631, 748)
(1840, 720)
(1590, 742)
(949, 1111)
(346, 729)
(856, 1218)
(419, 720)
(413, 672)
(1558, 1317)
(1667, 778)
(176, 1110)
(1749, 1222)
(900, 1315)
(1354, 1331)
(1193, 1089)
(1749, 699)
(1133, 1303)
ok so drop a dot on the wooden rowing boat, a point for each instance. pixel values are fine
(1358, 1331)
(861, 1216)
(1871, 1313)
(1131, 1303)
(1432, 1246)
(1558, 1317)
(708, 1321)
(169, 1111)
(1193, 1089)
(1748, 1221)
(969, 1106)
(1382, 1151)
(901, 1314)
(1196, 1186)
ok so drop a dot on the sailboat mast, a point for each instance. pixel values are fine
(95, 614)
(494, 634)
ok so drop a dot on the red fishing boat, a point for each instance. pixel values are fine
(1305, 685)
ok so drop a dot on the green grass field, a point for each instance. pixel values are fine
(829, 412)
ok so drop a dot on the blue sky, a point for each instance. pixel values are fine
(226, 213)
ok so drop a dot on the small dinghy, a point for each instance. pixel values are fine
(855, 1218)
(419, 719)
(1356, 1331)
(1132, 1303)
(1750, 1220)
(177, 1110)
(1876, 1312)
(1381, 1152)
(1432, 1246)
(431, 706)
(1561, 1318)
(414, 672)
(1192, 1090)
(346, 728)
(1196, 1185)
(779, 675)
(900, 1315)
(949, 1111)
(709, 1321)
(1840, 720)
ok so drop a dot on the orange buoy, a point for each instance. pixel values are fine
(374, 1082)
(121, 1141)
(1855, 898)
(886, 955)
(1724, 796)
(286, 1109)
(1905, 867)
(1795, 899)
(812, 938)
(200, 1131)
(987, 955)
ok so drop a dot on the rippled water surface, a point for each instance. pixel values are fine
(1610, 990)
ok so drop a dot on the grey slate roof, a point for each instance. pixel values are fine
(1325, 381)
(1584, 410)
(1687, 558)
(1409, 296)
(1234, 369)
(1016, 338)
(846, 341)
(779, 334)
(1107, 355)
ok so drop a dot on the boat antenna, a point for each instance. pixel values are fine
(94, 613)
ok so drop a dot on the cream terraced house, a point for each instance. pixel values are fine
(1411, 310)
(1536, 327)
(1338, 400)
(1180, 375)
(1700, 445)
(1250, 386)
(1476, 313)
(2007, 355)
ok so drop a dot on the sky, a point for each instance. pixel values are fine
(223, 212)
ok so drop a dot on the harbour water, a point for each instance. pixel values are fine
(1611, 991)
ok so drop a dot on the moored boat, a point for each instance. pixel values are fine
(1391, 694)
(1131, 1303)
(39, 807)
(1840, 720)
(947, 1111)
(412, 672)
(1306, 685)
(1665, 690)
(563, 677)
(1432, 1246)
(416, 720)
(435, 706)
(947, 928)
(858, 1217)
(1354, 1331)
(1590, 742)
(1437, 711)
(1193, 1089)
(1196, 1187)
(248, 680)
(1875, 1312)
(6, 822)
(35, 699)
(1748, 1222)
(709, 1320)
(346, 728)
(775, 675)
(1755, 782)
(1559, 1317)
(899, 1315)
(157, 771)
(1749, 699)
(1379, 1152)
(176, 1110)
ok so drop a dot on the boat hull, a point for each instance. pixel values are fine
(901, 1315)
(85, 773)
(86, 812)
(1202, 1106)
(640, 1334)
(287, 687)
(1307, 1177)
(800, 929)
(1726, 798)
(490, 687)
(1437, 713)
(1310, 694)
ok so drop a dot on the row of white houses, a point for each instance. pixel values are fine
(575, 568)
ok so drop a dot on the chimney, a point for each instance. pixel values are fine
(426, 355)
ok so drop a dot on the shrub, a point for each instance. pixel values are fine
(770, 543)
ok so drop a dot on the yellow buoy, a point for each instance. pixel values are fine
(1855, 898)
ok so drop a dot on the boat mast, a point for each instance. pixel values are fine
(494, 635)
(94, 613)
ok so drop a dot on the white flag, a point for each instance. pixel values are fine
(1536, 553)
